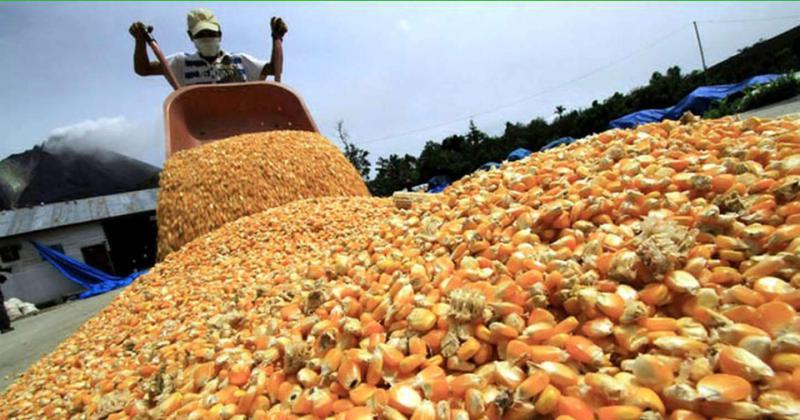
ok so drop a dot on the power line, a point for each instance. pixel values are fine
(750, 20)
(568, 82)
(530, 96)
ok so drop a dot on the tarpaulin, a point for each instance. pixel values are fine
(556, 143)
(93, 280)
(518, 154)
(697, 102)
(438, 183)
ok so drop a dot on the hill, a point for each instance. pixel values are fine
(781, 52)
(55, 171)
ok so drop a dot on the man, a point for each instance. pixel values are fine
(5, 322)
(209, 64)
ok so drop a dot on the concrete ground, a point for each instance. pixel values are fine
(35, 336)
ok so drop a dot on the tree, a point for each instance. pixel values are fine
(560, 110)
(394, 174)
(475, 137)
(356, 155)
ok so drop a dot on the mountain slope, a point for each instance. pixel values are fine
(55, 172)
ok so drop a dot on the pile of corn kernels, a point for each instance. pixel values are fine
(136, 346)
(205, 187)
(635, 274)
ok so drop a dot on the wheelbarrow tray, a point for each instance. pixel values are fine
(199, 114)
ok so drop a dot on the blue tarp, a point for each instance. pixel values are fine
(639, 118)
(489, 165)
(556, 143)
(697, 102)
(93, 280)
(518, 154)
(438, 183)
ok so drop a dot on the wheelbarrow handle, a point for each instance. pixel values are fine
(168, 74)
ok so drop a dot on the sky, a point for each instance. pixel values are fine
(397, 74)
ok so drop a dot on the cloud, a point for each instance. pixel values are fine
(135, 139)
(94, 133)
(403, 25)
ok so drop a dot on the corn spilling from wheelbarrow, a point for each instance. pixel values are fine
(636, 274)
(208, 186)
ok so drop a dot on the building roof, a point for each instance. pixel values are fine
(48, 216)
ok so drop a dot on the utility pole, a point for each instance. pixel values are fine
(700, 44)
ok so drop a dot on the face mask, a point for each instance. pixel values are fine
(207, 47)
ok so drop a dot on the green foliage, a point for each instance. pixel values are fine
(784, 87)
(356, 155)
(394, 174)
(460, 154)
(722, 108)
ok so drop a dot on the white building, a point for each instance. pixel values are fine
(115, 233)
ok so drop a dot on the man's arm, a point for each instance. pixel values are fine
(275, 65)
(275, 61)
(141, 62)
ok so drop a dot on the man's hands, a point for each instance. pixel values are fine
(278, 27)
(139, 31)
(141, 63)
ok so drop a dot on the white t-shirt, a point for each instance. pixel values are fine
(191, 69)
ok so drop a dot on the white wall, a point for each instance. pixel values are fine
(35, 280)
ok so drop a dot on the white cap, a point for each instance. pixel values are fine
(201, 19)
